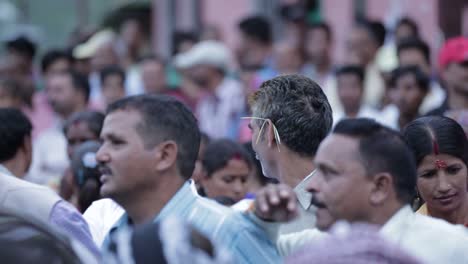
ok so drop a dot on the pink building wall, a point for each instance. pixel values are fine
(226, 15)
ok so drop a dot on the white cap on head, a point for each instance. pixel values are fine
(88, 49)
(212, 53)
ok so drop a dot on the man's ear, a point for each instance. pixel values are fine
(382, 188)
(26, 147)
(166, 155)
(270, 134)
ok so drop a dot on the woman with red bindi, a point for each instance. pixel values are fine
(440, 147)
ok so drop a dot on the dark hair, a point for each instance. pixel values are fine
(110, 71)
(383, 150)
(93, 119)
(408, 22)
(22, 45)
(165, 118)
(219, 152)
(298, 108)
(415, 43)
(257, 27)
(321, 26)
(421, 78)
(375, 28)
(14, 128)
(356, 70)
(86, 173)
(425, 133)
(53, 55)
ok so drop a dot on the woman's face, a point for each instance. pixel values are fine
(442, 182)
(229, 181)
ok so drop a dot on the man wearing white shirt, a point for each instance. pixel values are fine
(366, 173)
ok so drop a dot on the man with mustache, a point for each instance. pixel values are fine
(150, 145)
(366, 173)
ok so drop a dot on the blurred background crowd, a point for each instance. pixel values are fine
(63, 62)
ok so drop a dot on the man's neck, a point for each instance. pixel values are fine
(381, 217)
(457, 100)
(292, 168)
(146, 204)
(78, 108)
(14, 167)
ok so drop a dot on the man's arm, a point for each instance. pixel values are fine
(254, 247)
(69, 220)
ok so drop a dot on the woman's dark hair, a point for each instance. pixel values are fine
(219, 152)
(436, 134)
(93, 119)
(86, 173)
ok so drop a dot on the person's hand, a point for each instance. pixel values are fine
(276, 202)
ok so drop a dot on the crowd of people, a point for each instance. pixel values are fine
(266, 152)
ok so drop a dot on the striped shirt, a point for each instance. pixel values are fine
(227, 228)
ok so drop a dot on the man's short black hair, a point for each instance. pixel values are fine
(321, 26)
(410, 23)
(298, 108)
(219, 152)
(415, 43)
(422, 79)
(356, 70)
(382, 149)
(14, 128)
(23, 46)
(110, 71)
(165, 118)
(52, 56)
(257, 27)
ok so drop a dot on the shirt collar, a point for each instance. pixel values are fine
(303, 196)
(187, 193)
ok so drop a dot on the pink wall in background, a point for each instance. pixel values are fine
(225, 15)
(424, 12)
(339, 14)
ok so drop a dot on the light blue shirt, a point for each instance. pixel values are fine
(227, 228)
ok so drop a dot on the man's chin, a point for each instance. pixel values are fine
(106, 191)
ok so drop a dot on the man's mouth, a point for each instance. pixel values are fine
(104, 170)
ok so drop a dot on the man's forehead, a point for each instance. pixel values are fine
(122, 118)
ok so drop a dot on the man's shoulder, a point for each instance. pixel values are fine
(10, 184)
(228, 217)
